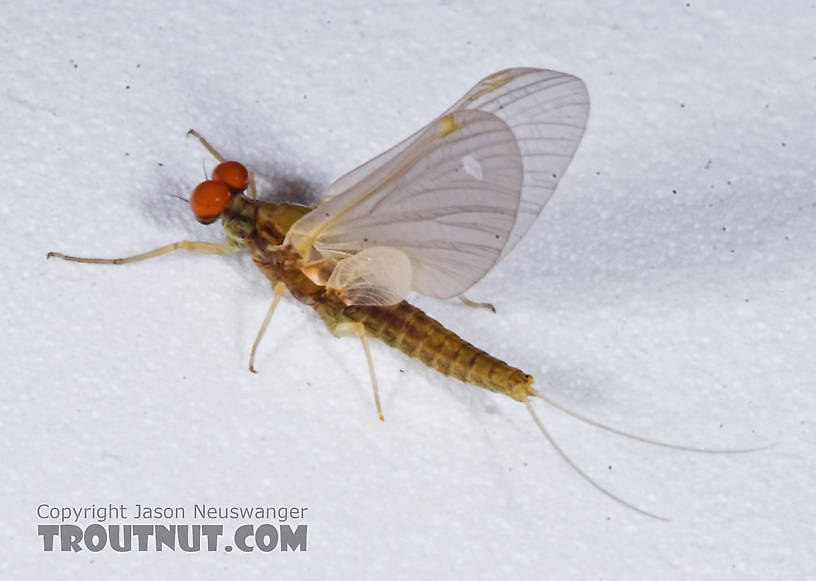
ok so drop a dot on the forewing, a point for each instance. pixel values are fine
(547, 113)
(440, 218)
(448, 202)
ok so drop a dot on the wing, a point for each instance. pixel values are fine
(448, 202)
(458, 194)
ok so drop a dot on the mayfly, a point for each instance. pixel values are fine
(432, 215)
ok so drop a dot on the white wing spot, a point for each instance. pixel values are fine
(473, 167)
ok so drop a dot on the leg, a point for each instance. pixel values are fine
(346, 329)
(206, 144)
(279, 288)
(250, 188)
(192, 245)
(471, 303)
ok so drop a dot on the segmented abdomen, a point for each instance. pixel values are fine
(409, 329)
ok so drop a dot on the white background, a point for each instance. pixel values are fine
(667, 289)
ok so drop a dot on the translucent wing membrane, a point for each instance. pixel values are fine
(547, 112)
(449, 203)
(375, 276)
(458, 194)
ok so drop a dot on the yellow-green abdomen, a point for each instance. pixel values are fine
(407, 328)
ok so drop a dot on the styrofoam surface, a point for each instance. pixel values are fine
(667, 289)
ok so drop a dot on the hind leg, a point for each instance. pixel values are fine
(358, 329)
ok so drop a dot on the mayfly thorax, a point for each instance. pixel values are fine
(431, 215)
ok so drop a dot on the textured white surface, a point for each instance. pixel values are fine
(667, 289)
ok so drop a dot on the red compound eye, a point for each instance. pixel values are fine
(209, 199)
(232, 173)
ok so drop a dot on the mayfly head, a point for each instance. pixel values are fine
(210, 198)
